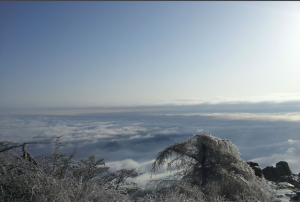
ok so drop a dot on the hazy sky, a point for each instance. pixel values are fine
(87, 54)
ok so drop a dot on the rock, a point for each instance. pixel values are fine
(278, 172)
(256, 168)
(296, 197)
(258, 171)
(288, 185)
(251, 163)
(285, 167)
(282, 169)
(268, 172)
(285, 185)
(282, 172)
(293, 179)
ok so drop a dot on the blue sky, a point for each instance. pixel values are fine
(122, 80)
(93, 54)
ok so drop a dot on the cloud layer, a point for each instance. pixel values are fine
(133, 139)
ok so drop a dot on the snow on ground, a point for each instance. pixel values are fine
(284, 195)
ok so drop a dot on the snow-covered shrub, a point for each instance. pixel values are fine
(52, 177)
(214, 165)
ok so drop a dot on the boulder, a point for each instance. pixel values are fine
(268, 172)
(278, 172)
(251, 163)
(274, 173)
(285, 167)
(258, 171)
(296, 197)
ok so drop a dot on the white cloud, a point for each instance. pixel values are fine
(129, 164)
(248, 116)
(274, 97)
(139, 136)
(143, 167)
(21, 130)
(257, 116)
(262, 136)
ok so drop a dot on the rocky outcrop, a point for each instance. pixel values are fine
(288, 184)
(274, 173)
(293, 179)
(257, 170)
(292, 186)
(270, 172)
(252, 164)
(285, 167)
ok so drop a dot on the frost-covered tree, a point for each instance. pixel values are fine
(215, 165)
(118, 178)
(52, 177)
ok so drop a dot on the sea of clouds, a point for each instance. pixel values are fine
(263, 132)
